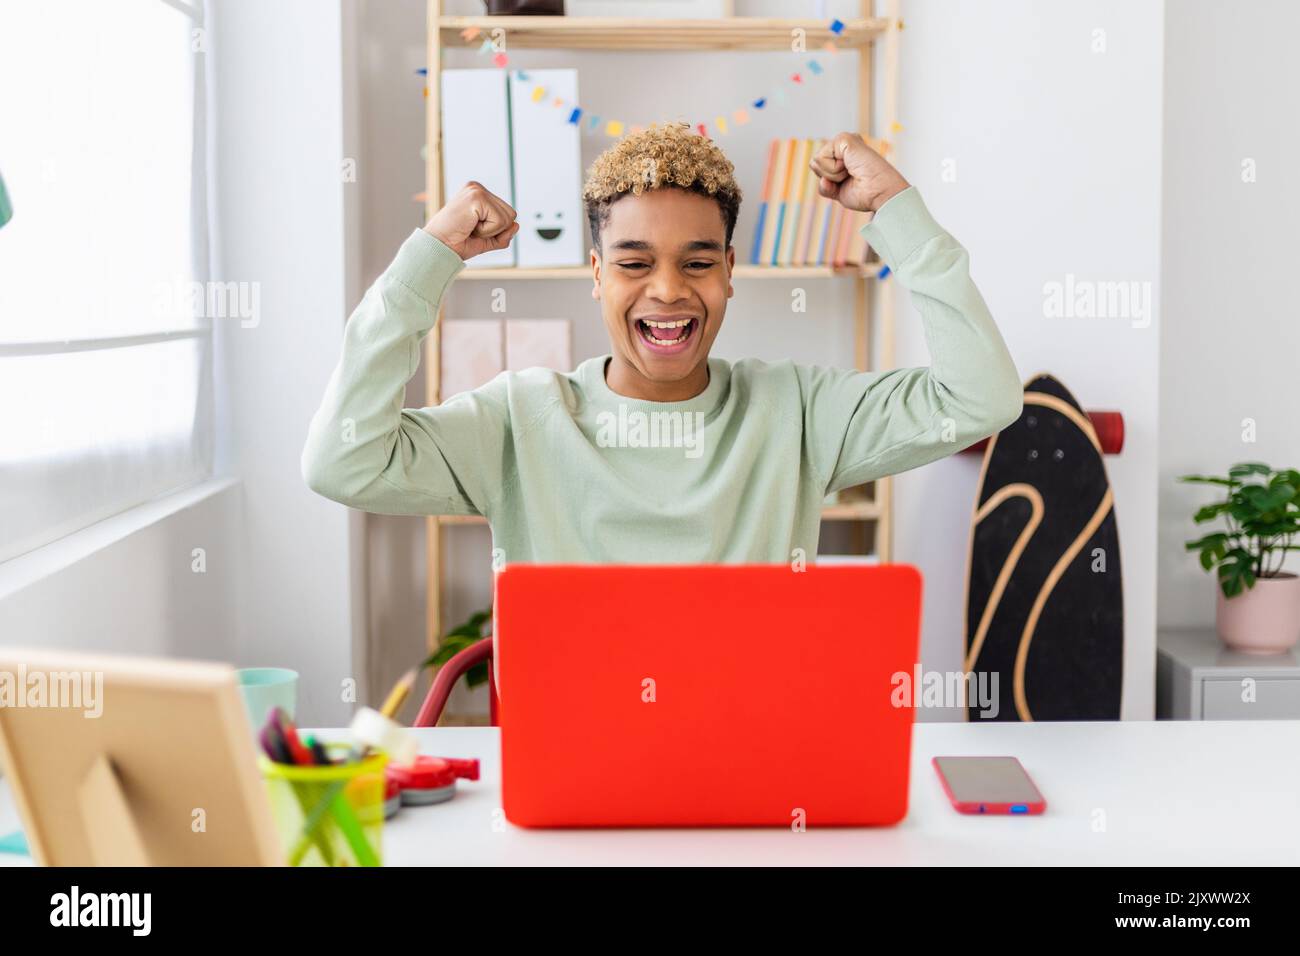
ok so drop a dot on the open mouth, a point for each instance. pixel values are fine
(668, 336)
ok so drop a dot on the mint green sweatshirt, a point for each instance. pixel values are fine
(567, 471)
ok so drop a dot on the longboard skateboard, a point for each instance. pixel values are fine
(1044, 597)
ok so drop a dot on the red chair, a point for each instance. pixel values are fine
(446, 678)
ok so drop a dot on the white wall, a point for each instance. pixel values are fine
(1058, 159)
(1229, 351)
(130, 584)
(390, 171)
(284, 568)
(278, 148)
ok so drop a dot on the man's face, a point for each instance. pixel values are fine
(665, 262)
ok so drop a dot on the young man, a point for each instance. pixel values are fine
(658, 453)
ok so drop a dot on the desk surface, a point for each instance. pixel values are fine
(1137, 792)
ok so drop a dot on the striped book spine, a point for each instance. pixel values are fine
(773, 219)
(794, 200)
(785, 168)
(807, 211)
(832, 231)
(820, 226)
(763, 203)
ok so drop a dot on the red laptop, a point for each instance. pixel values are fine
(705, 695)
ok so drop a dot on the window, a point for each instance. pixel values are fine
(105, 354)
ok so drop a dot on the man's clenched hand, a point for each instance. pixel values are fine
(856, 175)
(474, 221)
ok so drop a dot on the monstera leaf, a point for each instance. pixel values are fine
(457, 639)
(1262, 513)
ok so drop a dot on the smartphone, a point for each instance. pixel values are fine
(988, 785)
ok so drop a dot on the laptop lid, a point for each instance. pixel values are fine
(704, 695)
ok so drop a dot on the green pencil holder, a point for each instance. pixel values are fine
(329, 816)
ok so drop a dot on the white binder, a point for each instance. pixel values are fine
(476, 143)
(547, 168)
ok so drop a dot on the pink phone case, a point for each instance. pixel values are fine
(1024, 808)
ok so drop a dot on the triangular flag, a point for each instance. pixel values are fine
(500, 59)
(721, 123)
(615, 128)
(740, 117)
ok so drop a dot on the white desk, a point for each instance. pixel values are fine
(1172, 792)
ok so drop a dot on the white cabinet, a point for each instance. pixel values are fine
(1197, 678)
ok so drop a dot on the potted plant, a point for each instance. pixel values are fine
(1258, 608)
(456, 640)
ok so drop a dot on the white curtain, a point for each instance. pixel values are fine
(105, 328)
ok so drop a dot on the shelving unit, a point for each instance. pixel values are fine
(628, 33)
(613, 34)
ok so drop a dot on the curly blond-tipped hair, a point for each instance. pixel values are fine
(664, 155)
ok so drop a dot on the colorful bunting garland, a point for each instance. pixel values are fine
(615, 127)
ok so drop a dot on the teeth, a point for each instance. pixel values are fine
(665, 325)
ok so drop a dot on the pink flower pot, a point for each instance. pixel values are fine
(1264, 619)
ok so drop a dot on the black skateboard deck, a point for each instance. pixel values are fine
(1044, 598)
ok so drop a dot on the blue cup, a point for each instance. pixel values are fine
(265, 688)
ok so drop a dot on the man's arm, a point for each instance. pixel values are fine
(363, 449)
(864, 425)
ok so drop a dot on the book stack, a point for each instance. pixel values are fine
(796, 225)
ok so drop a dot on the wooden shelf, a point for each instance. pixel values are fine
(636, 33)
(852, 511)
(461, 519)
(870, 270)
